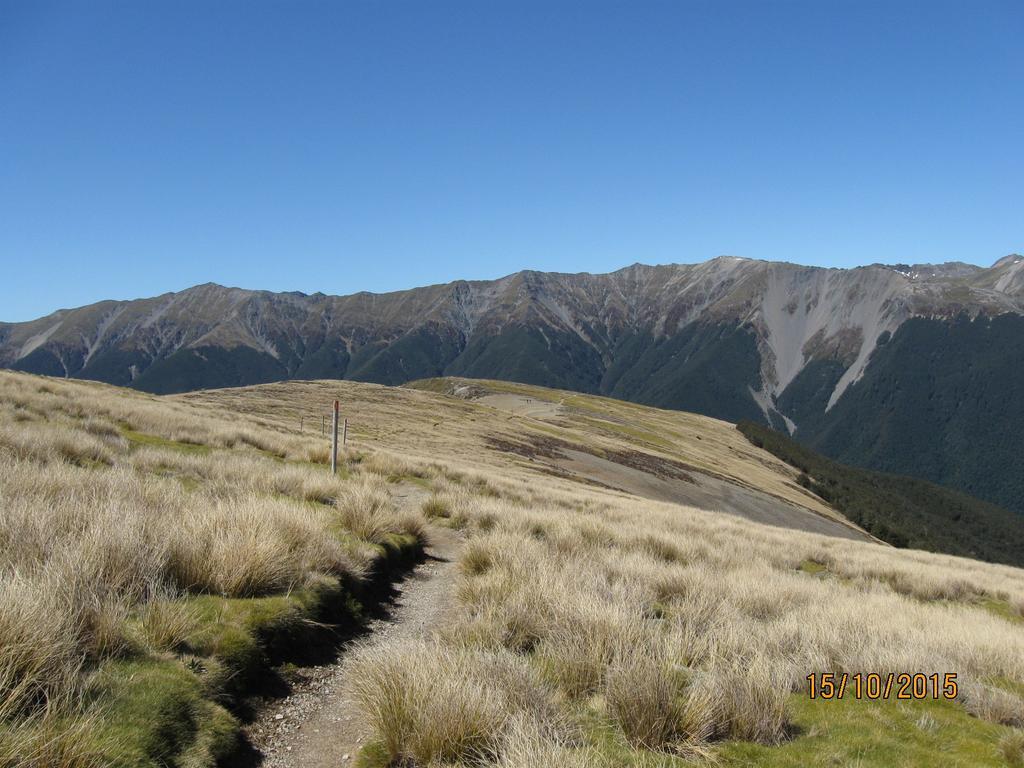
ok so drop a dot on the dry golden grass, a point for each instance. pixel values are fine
(115, 505)
(49, 741)
(676, 628)
(685, 628)
(363, 509)
(993, 704)
(410, 429)
(450, 703)
(166, 623)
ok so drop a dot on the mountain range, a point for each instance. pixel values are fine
(913, 369)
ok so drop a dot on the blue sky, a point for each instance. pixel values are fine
(343, 146)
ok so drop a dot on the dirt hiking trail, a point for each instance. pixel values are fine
(318, 724)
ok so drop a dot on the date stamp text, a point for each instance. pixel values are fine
(874, 686)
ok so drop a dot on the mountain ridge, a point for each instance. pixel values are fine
(735, 338)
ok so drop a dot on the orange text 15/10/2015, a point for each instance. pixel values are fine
(874, 686)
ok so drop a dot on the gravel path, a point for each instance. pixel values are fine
(317, 724)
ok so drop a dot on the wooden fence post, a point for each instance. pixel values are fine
(344, 436)
(334, 442)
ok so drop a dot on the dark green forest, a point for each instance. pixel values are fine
(903, 511)
(942, 400)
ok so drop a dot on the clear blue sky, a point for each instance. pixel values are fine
(340, 146)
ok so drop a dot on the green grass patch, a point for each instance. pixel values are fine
(872, 734)
(813, 567)
(607, 739)
(1007, 685)
(155, 711)
(373, 755)
(238, 640)
(846, 733)
(172, 709)
(395, 550)
(155, 441)
(1001, 608)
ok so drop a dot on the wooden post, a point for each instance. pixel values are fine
(323, 425)
(334, 442)
(344, 435)
(301, 420)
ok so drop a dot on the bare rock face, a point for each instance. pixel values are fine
(732, 338)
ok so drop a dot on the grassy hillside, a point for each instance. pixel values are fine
(182, 547)
(157, 561)
(904, 511)
(594, 629)
(532, 432)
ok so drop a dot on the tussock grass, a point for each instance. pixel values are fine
(643, 688)
(394, 467)
(436, 507)
(39, 633)
(440, 709)
(450, 704)
(115, 509)
(993, 704)
(254, 545)
(526, 744)
(167, 623)
(364, 508)
(51, 741)
(675, 630)
(684, 629)
(46, 444)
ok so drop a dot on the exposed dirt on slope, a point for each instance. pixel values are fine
(704, 492)
(656, 477)
(318, 724)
